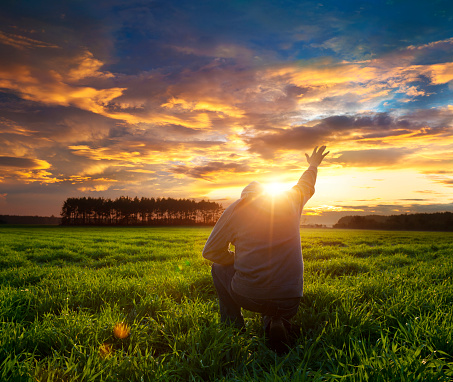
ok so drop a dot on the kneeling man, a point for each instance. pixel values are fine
(264, 273)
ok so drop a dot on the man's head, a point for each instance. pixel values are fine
(252, 189)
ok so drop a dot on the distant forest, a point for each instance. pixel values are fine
(15, 219)
(144, 211)
(439, 221)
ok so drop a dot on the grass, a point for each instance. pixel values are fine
(378, 306)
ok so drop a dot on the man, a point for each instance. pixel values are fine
(264, 274)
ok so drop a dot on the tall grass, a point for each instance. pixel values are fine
(378, 306)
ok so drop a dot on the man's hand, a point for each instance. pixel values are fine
(316, 156)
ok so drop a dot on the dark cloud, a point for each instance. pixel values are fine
(298, 138)
(386, 134)
(381, 122)
(340, 128)
(211, 169)
(446, 181)
(441, 176)
(449, 172)
(372, 157)
(26, 163)
(178, 130)
(428, 192)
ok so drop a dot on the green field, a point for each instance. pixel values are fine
(378, 306)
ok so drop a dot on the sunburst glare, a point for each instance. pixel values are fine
(275, 188)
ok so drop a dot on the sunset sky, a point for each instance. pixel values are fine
(195, 99)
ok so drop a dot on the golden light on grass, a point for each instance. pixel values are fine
(121, 330)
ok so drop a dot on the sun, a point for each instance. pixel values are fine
(275, 188)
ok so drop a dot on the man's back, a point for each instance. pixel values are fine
(268, 259)
(265, 272)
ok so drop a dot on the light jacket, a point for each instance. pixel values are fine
(265, 231)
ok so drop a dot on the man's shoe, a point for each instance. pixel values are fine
(278, 335)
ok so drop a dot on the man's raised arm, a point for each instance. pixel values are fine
(307, 181)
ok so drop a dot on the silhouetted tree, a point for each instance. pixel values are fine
(438, 221)
(145, 211)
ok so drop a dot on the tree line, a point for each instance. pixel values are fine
(139, 211)
(17, 219)
(438, 221)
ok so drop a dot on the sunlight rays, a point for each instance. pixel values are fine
(275, 188)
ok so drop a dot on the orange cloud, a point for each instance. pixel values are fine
(440, 73)
(26, 170)
(53, 86)
(54, 91)
(22, 42)
(204, 105)
(10, 127)
(88, 67)
(108, 154)
(323, 209)
(325, 73)
(213, 170)
(25, 163)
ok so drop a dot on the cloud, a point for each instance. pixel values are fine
(219, 51)
(26, 163)
(439, 177)
(62, 76)
(22, 42)
(440, 73)
(25, 170)
(212, 170)
(447, 43)
(87, 66)
(344, 128)
(206, 105)
(124, 153)
(428, 192)
(372, 157)
(298, 138)
(52, 90)
(8, 126)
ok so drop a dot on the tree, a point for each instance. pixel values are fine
(126, 211)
